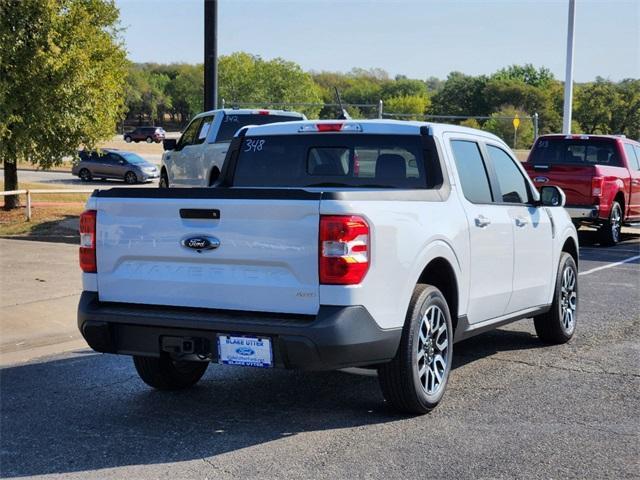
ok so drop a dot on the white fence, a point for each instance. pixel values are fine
(28, 193)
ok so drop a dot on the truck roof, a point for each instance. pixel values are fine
(252, 111)
(585, 136)
(377, 126)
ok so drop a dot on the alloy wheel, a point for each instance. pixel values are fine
(616, 222)
(432, 354)
(568, 299)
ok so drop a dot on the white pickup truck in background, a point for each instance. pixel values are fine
(325, 245)
(195, 160)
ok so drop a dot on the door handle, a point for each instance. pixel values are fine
(521, 222)
(482, 221)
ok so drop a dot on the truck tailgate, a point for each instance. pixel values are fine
(267, 259)
(575, 180)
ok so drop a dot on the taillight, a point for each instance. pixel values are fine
(344, 249)
(88, 241)
(596, 186)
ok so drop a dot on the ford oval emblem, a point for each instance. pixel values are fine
(201, 243)
(541, 179)
(245, 351)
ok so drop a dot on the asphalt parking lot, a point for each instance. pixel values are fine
(514, 408)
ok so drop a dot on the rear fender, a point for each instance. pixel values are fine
(438, 248)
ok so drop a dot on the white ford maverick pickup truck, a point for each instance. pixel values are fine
(325, 245)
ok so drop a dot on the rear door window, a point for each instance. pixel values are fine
(589, 151)
(203, 130)
(341, 160)
(472, 171)
(513, 186)
(632, 156)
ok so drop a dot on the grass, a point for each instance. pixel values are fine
(47, 211)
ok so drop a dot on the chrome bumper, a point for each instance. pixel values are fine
(583, 213)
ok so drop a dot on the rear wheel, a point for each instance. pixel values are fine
(559, 324)
(127, 139)
(415, 380)
(610, 230)
(85, 175)
(166, 374)
(130, 178)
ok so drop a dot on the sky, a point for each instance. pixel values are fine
(417, 38)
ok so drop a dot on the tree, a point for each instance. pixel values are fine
(62, 76)
(187, 91)
(595, 105)
(414, 105)
(250, 79)
(528, 74)
(501, 124)
(461, 95)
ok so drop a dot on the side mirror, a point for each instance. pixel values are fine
(169, 144)
(552, 196)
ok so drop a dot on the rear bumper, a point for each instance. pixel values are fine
(337, 337)
(583, 213)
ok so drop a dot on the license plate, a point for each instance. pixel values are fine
(247, 351)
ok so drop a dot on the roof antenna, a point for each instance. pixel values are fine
(344, 115)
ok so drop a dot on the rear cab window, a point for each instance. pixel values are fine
(580, 151)
(232, 123)
(335, 160)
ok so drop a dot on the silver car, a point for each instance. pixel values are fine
(112, 163)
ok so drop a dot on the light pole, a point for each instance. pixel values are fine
(568, 78)
(210, 54)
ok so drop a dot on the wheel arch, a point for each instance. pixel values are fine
(440, 273)
(570, 246)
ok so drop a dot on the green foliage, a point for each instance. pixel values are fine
(501, 124)
(249, 79)
(461, 95)
(471, 123)
(607, 107)
(527, 74)
(416, 105)
(62, 71)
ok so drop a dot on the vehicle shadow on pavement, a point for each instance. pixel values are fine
(91, 411)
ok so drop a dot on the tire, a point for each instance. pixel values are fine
(558, 325)
(403, 384)
(166, 374)
(164, 180)
(85, 175)
(127, 139)
(130, 178)
(610, 230)
(149, 140)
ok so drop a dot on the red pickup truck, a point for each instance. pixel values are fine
(600, 175)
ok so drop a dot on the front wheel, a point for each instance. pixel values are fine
(610, 230)
(415, 380)
(127, 139)
(149, 140)
(164, 180)
(559, 324)
(166, 374)
(130, 178)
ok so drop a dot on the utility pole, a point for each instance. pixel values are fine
(210, 54)
(568, 78)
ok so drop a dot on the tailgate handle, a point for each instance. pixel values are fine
(200, 213)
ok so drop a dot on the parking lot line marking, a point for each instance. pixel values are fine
(611, 265)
